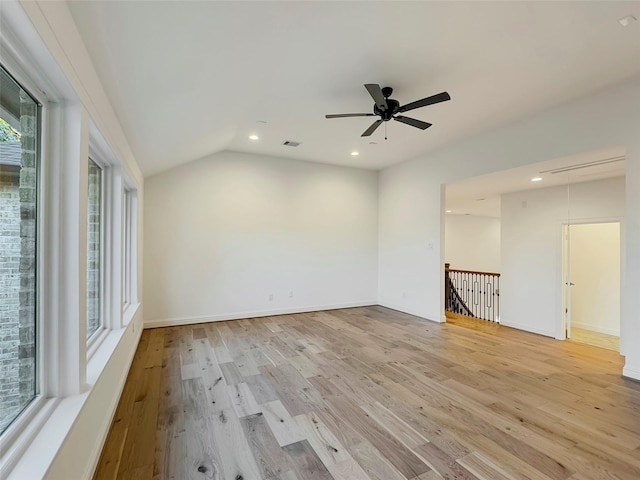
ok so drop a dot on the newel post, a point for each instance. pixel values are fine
(447, 287)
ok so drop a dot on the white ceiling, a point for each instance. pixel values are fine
(481, 195)
(188, 79)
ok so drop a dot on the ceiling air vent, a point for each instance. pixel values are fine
(579, 166)
(290, 143)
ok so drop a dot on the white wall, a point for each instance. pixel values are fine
(595, 271)
(411, 201)
(531, 283)
(472, 242)
(225, 232)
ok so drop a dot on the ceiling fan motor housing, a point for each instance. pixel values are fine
(387, 114)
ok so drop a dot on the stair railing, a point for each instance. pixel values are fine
(472, 293)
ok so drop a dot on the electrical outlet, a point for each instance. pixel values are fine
(271, 297)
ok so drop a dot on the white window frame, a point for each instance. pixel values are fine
(100, 332)
(35, 406)
(14, 440)
(111, 238)
(130, 254)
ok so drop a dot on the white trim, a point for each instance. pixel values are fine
(629, 372)
(20, 434)
(528, 328)
(414, 313)
(94, 342)
(596, 328)
(103, 290)
(171, 322)
(129, 251)
(129, 312)
(23, 51)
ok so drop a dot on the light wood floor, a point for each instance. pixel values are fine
(370, 394)
(596, 339)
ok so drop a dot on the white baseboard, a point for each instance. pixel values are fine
(173, 322)
(528, 328)
(412, 312)
(595, 328)
(631, 372)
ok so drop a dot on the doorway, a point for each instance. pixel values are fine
(592, 283)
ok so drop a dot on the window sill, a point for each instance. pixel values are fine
(129, 312)
(95, 341)
(43, 432)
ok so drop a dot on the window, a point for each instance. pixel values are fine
(129, 250)
(94, 249)
(126, 262)
(19, 156)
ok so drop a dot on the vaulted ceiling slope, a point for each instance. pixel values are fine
(188, 79)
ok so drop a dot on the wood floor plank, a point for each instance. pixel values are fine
(483, 468)
(442, 463)
(237, 460)
(370, 393)
(201, 456)
(409, 437)
(321, 439)
(306, 464)
(242, 400)
(272, 461)
(348, 470)
(282, 425)
(401, 457)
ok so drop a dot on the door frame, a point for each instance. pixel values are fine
(564, 258)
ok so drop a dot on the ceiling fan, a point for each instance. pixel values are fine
(386, 108)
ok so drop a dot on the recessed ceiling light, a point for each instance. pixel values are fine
(355, 154)
(536, 179)
(626, 21)
(448, 211)
(254, 137)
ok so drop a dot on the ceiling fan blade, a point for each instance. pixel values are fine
(440, 97)
(376, 93)
(372, 128)
(413, 122)
(343, 115)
